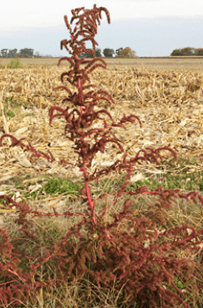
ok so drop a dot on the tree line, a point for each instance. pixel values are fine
(23, 53)
(187, 51)
(107, 52)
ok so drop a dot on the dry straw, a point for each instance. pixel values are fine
(124, 249)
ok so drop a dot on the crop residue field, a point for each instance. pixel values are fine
(168, 102)
(182, 62)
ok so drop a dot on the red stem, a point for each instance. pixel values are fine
(91, 203)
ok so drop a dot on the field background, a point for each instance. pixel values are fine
(167, 95)
(194, 63)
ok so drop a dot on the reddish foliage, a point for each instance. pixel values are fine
(141, 259)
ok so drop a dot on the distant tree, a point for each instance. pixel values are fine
(118, 51)
(11, 53)
(90, 55)
(26, 53)
(199, 51)
(4, 53)
(86, 55)
(23, 53)
(127, 53)
(98, 52)
(108, 53)
(176, 52)
(37, 55)
(16, 54)
(186, 51)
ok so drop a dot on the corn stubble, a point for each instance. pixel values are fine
(136, 253)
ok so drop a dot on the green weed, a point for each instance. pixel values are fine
(12, 107)
(59, 186)
(15, 63)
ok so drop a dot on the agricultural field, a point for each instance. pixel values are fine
(180, 63)
(169, 104)
(167, 96)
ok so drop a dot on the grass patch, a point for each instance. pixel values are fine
(15, 63)
(178, 175)
(12, 107)
(52, 186)
(181, 174)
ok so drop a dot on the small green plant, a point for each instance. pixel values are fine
(7, 111)
(33, 195)
(61, 186)
(179, 284)
(15, 63)
(54, 186)
(25, 105)
(12, 106)
(29, 114)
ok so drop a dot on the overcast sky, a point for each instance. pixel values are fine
(149, 27)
